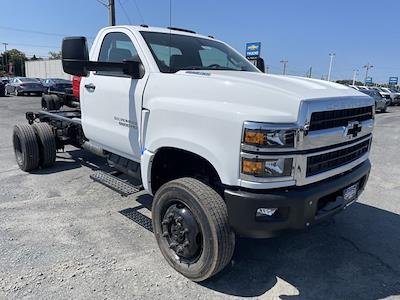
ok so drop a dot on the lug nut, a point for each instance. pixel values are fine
(185, 244)
(165, 234)
(179, 250)
(165, 222)
(179, 219)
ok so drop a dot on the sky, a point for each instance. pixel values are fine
(303, 32)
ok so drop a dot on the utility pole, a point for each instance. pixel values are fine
(111, 12)
(367, 67)
(5, 55)
(332, 55)
(355, 73)
(284, 62)
(309, 72)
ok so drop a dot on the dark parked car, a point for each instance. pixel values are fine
(23, 86)
(381, 103)
(56, 85)
(3, 82)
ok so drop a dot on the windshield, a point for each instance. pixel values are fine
(174, 52)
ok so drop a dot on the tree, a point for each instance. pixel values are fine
(349, 82)
(17, 59)
(55, 55)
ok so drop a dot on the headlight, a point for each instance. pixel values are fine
(279, 167)
(255, 134)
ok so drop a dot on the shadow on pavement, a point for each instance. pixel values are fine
(354, 256)
(75, 159)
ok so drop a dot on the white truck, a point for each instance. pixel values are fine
(225, 149)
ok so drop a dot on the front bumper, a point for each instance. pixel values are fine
(299, 207)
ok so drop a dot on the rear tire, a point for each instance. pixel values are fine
(186, 206)
(47, 144)
(26, 147)
(56, 102)
(47, 102)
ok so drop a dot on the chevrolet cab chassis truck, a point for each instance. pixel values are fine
(225, 149)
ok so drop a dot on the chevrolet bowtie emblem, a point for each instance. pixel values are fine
(353, 129)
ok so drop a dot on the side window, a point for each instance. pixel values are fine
(164, 53)
(116, 47)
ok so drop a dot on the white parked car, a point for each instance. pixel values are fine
(394, 95)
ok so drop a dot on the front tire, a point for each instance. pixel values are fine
(190, 222)
(26, 147)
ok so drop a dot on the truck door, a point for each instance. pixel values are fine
(111, 101)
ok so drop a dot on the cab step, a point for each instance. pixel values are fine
(122, 187)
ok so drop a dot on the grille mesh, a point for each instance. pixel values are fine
(337, 118)
(324, 162)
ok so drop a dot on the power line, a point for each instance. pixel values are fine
(102, 3)
(125, 12)
(34, 45)
(37, 32)
(138, 10)
(31, 31)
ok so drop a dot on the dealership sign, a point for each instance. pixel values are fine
(368, 80)
(393, 80)
(253, 50)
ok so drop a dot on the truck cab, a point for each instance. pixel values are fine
(225, 149)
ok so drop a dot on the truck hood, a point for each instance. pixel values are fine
(247, 95)
(293, 86)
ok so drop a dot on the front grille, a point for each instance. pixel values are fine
(331, 160)
(337, 118)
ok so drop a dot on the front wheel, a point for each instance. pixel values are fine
(190, 222)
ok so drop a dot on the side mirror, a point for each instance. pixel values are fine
(260, 64)
(75, 61)
(75, 56)
(133, 68)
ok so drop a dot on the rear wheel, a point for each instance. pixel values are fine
(56, 102)
(190, 223)
(26, 147)
(47, 144)
(47, 102)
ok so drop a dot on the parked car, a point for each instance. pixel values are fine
(354, 87)
(56, 85)
(394, 95)
(381, 103)
(383, 93)
(2, 88)
(23, 86)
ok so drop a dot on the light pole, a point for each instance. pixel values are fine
(284, 62)
(367, 67)
(355, 73)
(332, 55)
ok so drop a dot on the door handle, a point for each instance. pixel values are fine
(90, 87)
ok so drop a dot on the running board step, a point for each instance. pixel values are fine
(120, 186)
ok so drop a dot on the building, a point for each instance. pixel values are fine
(45, 69)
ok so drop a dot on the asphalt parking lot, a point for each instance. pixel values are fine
(64, 236)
